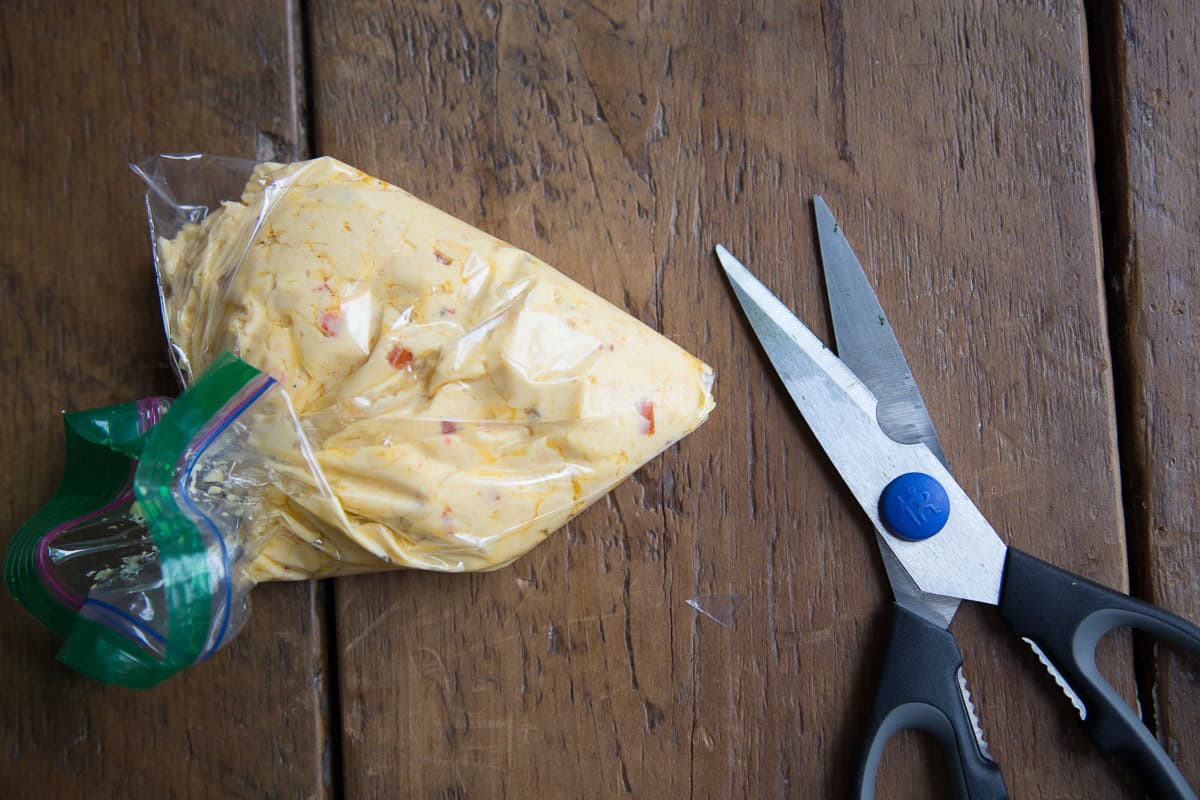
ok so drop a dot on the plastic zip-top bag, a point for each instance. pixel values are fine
(461, 398)
(431, 397)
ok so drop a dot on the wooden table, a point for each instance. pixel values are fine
(1022, 185)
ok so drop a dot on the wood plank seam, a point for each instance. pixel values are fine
(304, 138)
(1106, 56)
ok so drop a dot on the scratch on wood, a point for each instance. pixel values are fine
(379, 618)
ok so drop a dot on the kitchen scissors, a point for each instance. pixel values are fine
(937, 548)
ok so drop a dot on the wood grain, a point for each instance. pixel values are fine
(84, 89)
(1156, 246)
(621, 141)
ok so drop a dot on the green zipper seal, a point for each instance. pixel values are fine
(102, 448)
(99, 446)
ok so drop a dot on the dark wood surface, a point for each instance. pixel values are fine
(620, 141)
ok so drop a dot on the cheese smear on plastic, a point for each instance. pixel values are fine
(458, 399)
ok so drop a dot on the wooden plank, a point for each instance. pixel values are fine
(86, 88)
(1155, 148)
(621, 141)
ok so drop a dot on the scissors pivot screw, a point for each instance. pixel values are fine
(914, 506)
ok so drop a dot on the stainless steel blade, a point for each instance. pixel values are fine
(868, 346)
(966, 559)
(865, 341)
(935, 608)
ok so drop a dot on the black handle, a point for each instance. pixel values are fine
(1064, 617)
(921, 687)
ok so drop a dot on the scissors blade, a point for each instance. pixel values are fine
(966, 559)
(868, 346)
(865, 341)
(935, 608)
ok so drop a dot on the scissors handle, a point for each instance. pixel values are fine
(1063, 617)
(921, 688)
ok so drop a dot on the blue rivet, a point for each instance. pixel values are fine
(914, 506)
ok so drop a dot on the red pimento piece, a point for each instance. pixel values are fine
(646, 409)
(400, 357)
(329, 321)
(449, 427)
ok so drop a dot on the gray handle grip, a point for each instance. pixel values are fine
(919, 688)
(1064, 617)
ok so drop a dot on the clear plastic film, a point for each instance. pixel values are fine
(370, 384)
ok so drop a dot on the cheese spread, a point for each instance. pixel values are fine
(458, 398)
